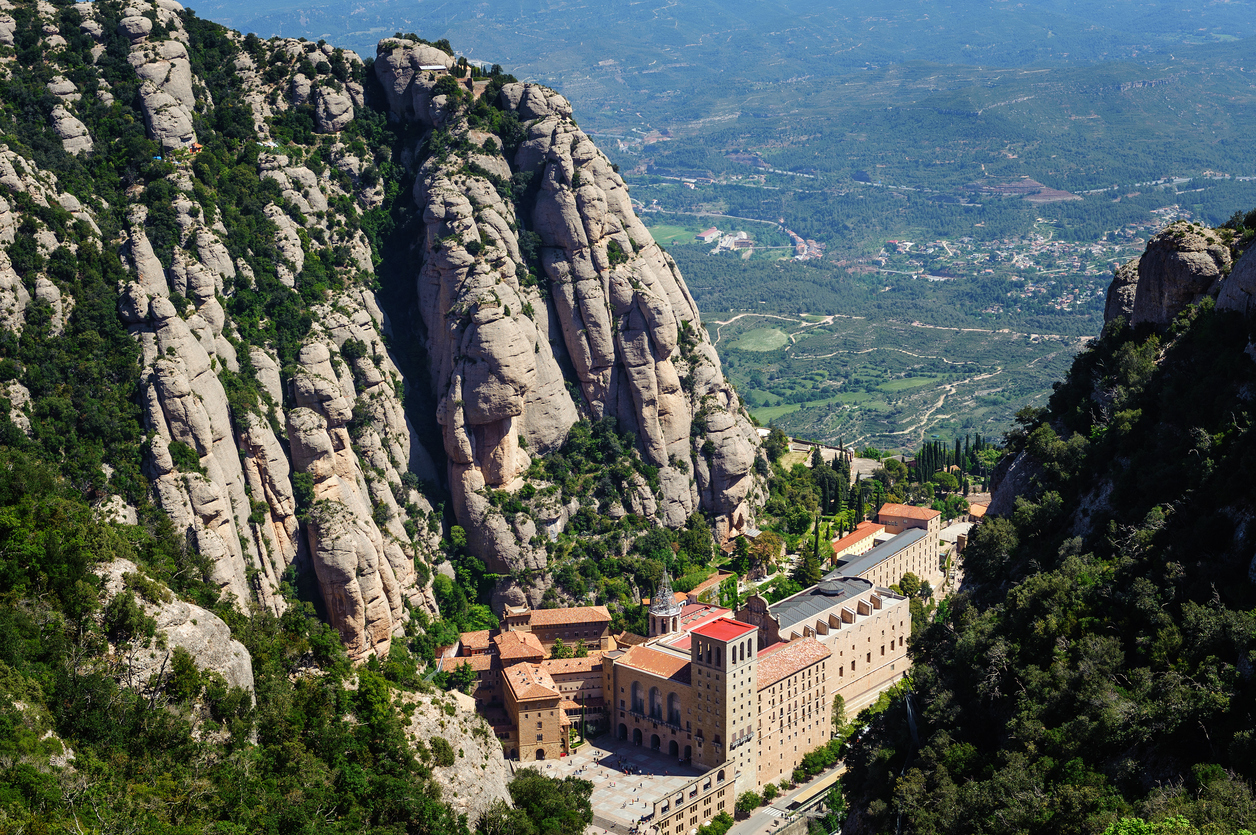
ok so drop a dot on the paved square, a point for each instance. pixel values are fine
(627, 781)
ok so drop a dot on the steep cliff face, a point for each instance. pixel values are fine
(533, 261)
(275, 446)
(249, 188)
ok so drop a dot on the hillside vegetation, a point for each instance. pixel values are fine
(228, 538)
(1099, 662)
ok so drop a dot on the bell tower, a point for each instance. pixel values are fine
(724, 671)
(664, 610)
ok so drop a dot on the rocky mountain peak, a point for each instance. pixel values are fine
(247, 237)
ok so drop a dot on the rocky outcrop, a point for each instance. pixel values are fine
(202, 633)
(275, 436)
(1182, 264)
(1016, 475)
(167, 91)
(1240, 285)
(479, 774)
(615, 308)
(74, 136)
(1120, 301)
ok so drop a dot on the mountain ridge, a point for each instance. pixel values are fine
(259, 190)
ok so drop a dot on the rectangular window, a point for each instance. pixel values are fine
(539, 737)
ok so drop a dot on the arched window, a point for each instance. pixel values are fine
(656, 703)
(638, 697)
(673, 708)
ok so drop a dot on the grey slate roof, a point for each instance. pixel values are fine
(810, 603)
(858, 565)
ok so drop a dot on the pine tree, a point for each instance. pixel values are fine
(807, 572)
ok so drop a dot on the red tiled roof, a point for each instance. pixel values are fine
(529, 681)
(517, 646)
(977, 511)
(479, 663)
(475, 640)
(578, 614)
(657, 663)
(710, 582)
(907, 511)
(862, 531)
(558, 666)
(723, 629)
(784, 659)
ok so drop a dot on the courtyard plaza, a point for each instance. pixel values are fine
(626, 779)
(621, 798)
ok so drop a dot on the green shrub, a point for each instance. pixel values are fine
(442, 751)
(185, 458)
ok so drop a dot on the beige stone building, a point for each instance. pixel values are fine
(533, 705)
(914, 550)
(591, 624)
(902, 517)
(795, 705)
(865, 629)
(858, 541)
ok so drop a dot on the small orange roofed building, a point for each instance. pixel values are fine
(858, 541)
(920, 553)
(901, 517)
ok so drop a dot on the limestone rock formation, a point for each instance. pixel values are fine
(479, 775)
(1015, 476)
(1120, 301)
(616, 310)
(74, 136)
(270, 405)
(1182, 263)
(167, 89)
(1240, 285)
(202, 633)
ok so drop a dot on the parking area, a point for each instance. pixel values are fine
(626, 778)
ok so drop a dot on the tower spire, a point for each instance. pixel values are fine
(664, 610)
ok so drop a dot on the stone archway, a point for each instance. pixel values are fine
(636, 736)
(623, 731)
(673, 748)
(688, 753)
(655, 742)
(540, 753)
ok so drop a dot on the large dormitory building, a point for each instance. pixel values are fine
(904, 538)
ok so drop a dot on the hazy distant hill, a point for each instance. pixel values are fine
(603, 53)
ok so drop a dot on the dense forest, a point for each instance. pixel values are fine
(1097, 664)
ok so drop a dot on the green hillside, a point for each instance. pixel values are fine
(1099, 662)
